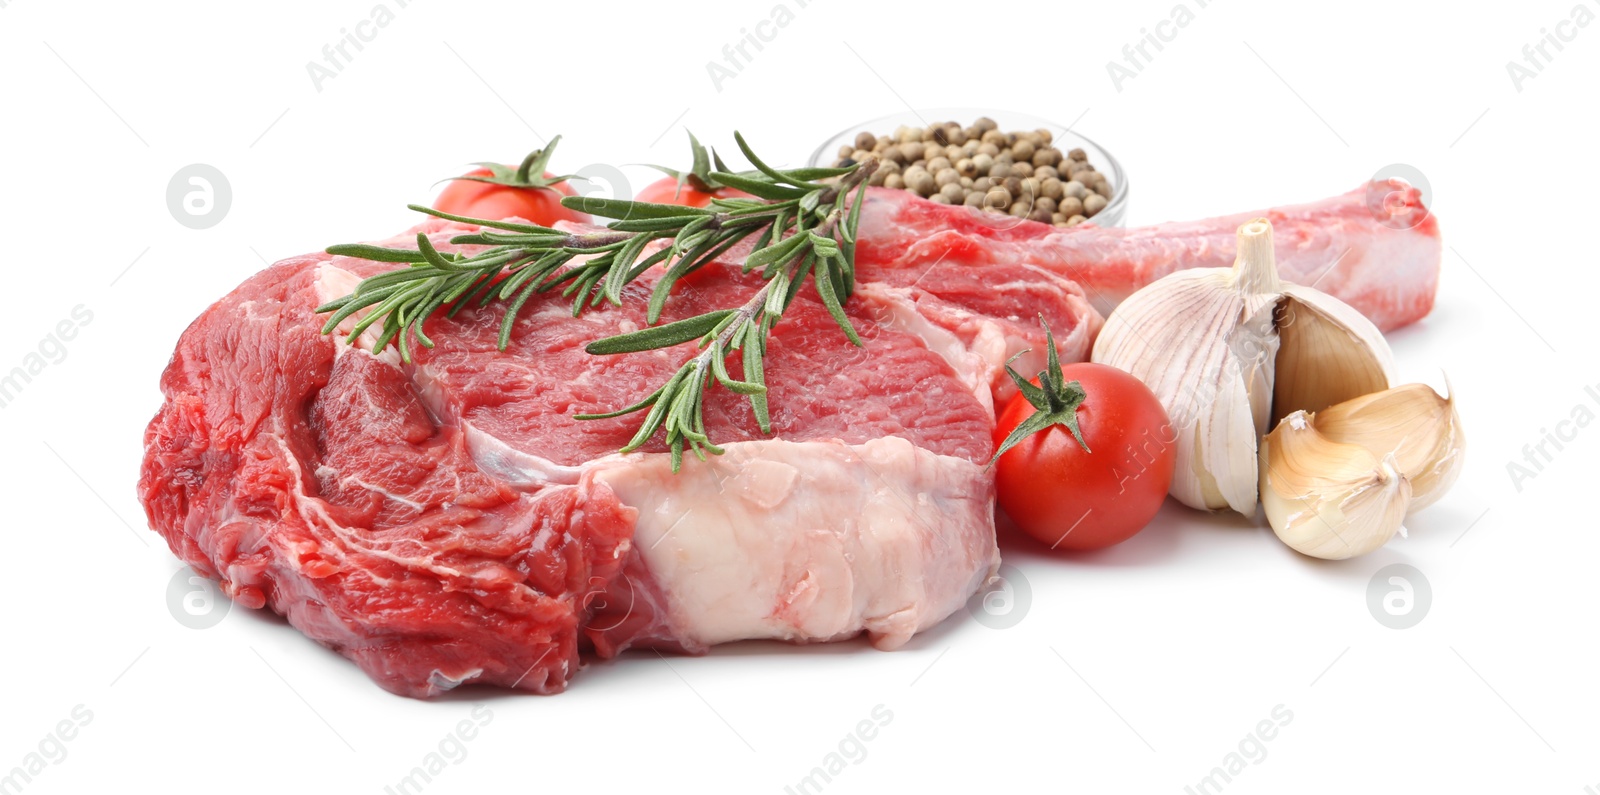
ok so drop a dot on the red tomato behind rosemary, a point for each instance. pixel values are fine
(667, 191)
(1074, 499)
(541, 205)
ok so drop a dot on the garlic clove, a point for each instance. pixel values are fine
(1415, 424)
(1329, 499)
(1327, 353)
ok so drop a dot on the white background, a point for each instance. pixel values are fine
(1135, 670)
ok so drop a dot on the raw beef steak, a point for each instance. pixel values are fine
(448, 521)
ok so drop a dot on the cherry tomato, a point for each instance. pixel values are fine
(666, 191)
(1073, 499)
(492, 201)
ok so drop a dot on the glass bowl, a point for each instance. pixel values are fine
(1008, 121)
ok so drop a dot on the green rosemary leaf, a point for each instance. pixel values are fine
(719, 368)
(481, 290)
(781, 221)
(658, 409)
(516, 281)
(693, 232)
(761, 166)
(381, 281)
(767, 236)
(689, 264)
(848, 231)
(391, 329)
(701, 166)
(657, 257)
(621, 264)
(830, 299)
(823, 245)
(510, 320)
(813, 174)
(741, 210)
(435, 259)
(375, 253)
(671, 224)
(665, 336)
(383, 310)
(355, 303)
(663, 289)
(581, 289)
(796, 282)
(544, 238)
(680, 416)
(761, 188)
(334, 305)
(511, 225)
(533, 272)
(630, 210)
(754, 372)
(431, 305)
(774, 253)
(709, 339)
(809, 202)
(649, 400)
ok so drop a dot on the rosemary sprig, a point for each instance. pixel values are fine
(803, 227)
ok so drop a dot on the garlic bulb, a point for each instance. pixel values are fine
(1329, 499)
(1338, 482)
(1230, 350)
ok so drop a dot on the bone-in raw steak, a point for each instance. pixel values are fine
(448, 521)
(1376, 248)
